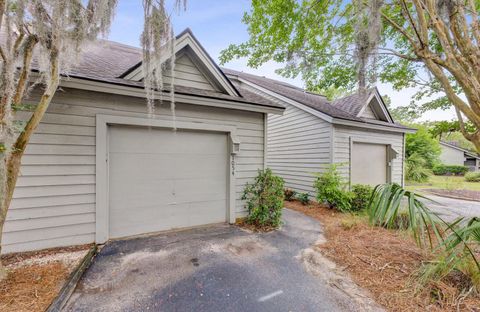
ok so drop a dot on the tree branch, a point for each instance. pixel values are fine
(33, 122)
(464, 131)
(412, 23)
(2, 11)
(451, 94)
(30, 43)
(399, 28)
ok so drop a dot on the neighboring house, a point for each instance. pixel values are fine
(455, 155)
(99, 168)
(358, 135)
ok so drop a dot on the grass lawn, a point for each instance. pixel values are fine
(444, 183)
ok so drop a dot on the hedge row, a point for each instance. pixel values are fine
(449, 170)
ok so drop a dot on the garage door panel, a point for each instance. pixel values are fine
(164, 141)
(369, 163)
(160, 180)
(199, 214)
(168, 166)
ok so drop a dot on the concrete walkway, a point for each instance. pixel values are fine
(450, 208)
(219, 268)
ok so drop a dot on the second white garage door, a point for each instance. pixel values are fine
(160, 179)
(369, 164)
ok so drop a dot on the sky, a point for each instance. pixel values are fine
(216, 24)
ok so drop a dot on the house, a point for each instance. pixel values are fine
(99, 167)
(356, 132)
(455, 155)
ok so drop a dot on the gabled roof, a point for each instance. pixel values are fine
(108, 62)
(347, 108)
(465, 151)
(187, 43)
(357, 103)
(312, 100)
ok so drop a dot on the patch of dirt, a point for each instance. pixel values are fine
(35, 278)
(244, 248)
(254, 228)
(458, 194)
(384, 262)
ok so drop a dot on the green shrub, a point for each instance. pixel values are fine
(332, 191)
(303, 198)
(361, 196)
(449, 170)
(264, 199)
(416, 169)
(423, 144)
(289, 194)
(472, 177)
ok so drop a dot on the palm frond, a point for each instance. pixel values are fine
(388, 201)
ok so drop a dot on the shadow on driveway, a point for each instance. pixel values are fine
(216, 268)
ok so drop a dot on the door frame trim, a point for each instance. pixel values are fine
(101, 164)
(388, 161)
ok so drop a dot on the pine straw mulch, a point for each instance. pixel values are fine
(35, 278)
(384, 262)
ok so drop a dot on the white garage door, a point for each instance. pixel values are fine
(160, 179)
(369, 164)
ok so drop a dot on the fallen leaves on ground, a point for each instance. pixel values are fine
(384, 262)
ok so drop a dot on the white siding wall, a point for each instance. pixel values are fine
(341, 155)
(54, 202)
(298, 146)
(451, 156)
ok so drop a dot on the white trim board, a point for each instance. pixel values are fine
(101, 166)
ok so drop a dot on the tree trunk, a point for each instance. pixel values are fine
(12, 161)
(12, 168)
(475, 139)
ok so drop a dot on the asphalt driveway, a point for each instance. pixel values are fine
(451, 209)
(216, 268)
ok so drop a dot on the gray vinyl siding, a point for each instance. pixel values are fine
(368, 113)
(298, 146)
(341, 147)
(186, 73)
(451, 156)
(54, 201)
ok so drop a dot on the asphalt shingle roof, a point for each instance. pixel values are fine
(345, 108)
(106, 61)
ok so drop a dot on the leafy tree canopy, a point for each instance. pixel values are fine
(427, 44)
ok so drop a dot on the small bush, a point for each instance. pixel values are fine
(303, 198)
(264, 199)
(361, 196)
(450, 170)
(416, 169)
(289, 194)
(472, 177)
(331, 190)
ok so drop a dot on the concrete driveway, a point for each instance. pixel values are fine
(218, 268)
(450, 208)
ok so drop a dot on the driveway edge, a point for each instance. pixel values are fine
(59, 302)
